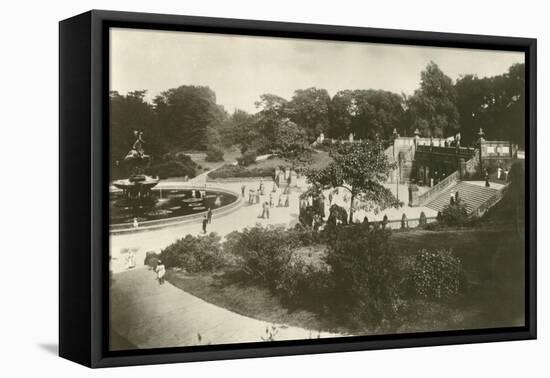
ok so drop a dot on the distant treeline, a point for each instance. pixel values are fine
(188, 117)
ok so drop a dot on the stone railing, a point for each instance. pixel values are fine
(438, 188)
(465, 152)
(492, 201)
(409, 223)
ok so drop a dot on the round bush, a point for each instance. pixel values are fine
(454, 214)
(247, 158)
(214, 154)
(194, 254)
(436, 275)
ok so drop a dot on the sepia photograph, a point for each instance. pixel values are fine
(266, 189)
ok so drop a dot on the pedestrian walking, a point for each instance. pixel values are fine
(204, 223)
(243, 190)
(161, 272)
(267, 210)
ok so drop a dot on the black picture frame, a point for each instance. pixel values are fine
(83, 196)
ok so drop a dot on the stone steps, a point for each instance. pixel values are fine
(470, 194)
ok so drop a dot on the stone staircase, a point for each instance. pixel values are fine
(473, 196)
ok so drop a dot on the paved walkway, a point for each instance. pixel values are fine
(150, 315)
(245, 216)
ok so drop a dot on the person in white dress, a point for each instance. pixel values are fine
(161, 271)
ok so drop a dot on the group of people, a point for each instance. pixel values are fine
(502, 174)
(254, 197)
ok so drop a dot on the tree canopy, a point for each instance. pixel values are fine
(433, 105)
(361, 169)
(189, 118)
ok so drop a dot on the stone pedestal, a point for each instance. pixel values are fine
(293, 179)
(413, 195)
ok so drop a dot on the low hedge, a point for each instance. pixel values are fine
(229, 170)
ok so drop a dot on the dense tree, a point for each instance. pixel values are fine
(368, 114)
(342, 110)
(309, 109)
(128, 113)
(189, 117)
(361, 169)
(291, 143)
(377, 113)
(433, 105)
(242, 130)
(496, 104)
(272, 109)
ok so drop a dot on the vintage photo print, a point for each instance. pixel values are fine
(266, 189)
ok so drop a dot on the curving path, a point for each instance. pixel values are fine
(150, 315)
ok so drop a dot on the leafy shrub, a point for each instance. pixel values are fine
(194, 253)
(436, 275)
(305, 286)
(179, 165)
(454, 214)
(151, 259)
(214, 153)
(247, 158)
(262, 253)
(364, 276)
(305, 236)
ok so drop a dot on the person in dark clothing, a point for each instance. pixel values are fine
(204, 223)
(209, 215)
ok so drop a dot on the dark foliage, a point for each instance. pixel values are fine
(436, 274)
(247, 159)
(364, 276)
(194, 254)
(214, 153)
(454, 214)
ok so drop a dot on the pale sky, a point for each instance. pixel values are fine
(241, 68)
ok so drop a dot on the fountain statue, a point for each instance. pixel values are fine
(138, 186)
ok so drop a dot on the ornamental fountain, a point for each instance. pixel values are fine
(136, 199)
(136, 189)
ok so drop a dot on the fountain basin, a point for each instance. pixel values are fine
(167, 205)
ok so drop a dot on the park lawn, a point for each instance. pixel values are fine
(227, 290)
(493, 263)
(266, 167)
(493, 294)
(199, 157)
